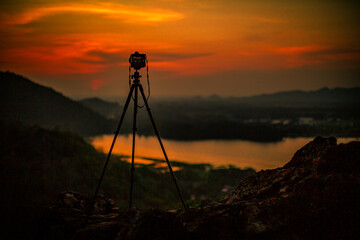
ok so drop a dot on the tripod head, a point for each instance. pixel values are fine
(136, 76)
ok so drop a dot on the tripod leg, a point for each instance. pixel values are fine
(113, 142)
(162, 146)
(133, 148)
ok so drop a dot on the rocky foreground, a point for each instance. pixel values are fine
(314, 196)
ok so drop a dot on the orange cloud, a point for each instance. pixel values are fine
(52, 60)
(298, 50)
(130, 14)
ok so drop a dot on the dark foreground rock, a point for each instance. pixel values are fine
(314, 196)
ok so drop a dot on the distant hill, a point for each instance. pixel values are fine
(319, 98)
(323, 97)
(22, 100)
(107, 109)
(264, 118)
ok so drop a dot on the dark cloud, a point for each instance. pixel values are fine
(121, 57)
(175, 56)
(332, 51)
(105, 57)
(336, 57)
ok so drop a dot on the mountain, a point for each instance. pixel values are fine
(262, 118)
(107, 109)
(319, 98)
(315, 195)
(22, 100)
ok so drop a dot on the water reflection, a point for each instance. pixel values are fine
(216, 152)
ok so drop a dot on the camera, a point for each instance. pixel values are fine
(137, 60)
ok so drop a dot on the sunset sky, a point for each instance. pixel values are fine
(224, 47)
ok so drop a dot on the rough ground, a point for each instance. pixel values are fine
(316, 195)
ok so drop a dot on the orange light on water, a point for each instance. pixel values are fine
(216, 152)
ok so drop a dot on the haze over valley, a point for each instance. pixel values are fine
(263, 118)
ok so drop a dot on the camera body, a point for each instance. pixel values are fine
(137, 60)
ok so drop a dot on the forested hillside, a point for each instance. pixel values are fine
(37, 164)
(22, 100)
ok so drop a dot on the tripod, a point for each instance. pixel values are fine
(136, 85)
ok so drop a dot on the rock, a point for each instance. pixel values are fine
(310, 153)
(314, 196)
(71, 217)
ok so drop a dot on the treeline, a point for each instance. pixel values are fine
(183, 122)
(232, 118)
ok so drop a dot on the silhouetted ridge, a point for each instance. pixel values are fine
(22, 100)
(298, 98)
(263, 118)
(107, 109)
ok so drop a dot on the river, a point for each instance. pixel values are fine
(239, 153)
